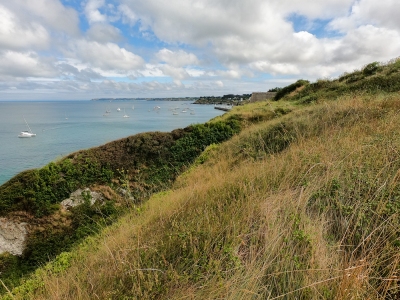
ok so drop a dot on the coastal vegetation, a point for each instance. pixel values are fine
(225, 99)
(125, 171)
(297, 198)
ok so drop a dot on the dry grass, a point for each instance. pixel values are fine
(315, 218)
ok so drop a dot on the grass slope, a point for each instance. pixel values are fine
(302, 204)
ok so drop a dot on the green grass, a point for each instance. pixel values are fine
(302, 203)
(373, 78)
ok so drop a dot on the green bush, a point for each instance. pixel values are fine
(38, 191)
(371, 69)
(290, 88)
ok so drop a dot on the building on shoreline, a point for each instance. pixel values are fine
(261, 96)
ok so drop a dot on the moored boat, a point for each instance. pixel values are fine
(26, 133)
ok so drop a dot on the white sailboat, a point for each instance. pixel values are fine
(26, 134)
(125, 115)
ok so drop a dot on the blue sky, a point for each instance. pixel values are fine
(68, 49)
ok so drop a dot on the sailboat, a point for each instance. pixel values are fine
(107, 112)
(26, 134)
(125, 115)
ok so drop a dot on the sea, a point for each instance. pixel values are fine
(63, 127)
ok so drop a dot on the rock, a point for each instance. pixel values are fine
(76, 198)
(12, 236)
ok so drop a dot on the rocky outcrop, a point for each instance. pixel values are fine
(14, 231)
(76, 198)
(12, 236)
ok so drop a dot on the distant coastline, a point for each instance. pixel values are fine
(146, 99)
(229, 99)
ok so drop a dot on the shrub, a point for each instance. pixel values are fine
(290, 88)
(371, 69)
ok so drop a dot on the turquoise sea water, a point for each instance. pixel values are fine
(63, 127)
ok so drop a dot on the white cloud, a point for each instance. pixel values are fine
(229, 41)
(314, 9)
(16, 35)
(92, 11)
(84, 74)
(128, 16)
(382, 13)
(198, 23)
(195, 72)
(27, 64)
(104, 33)
(231, 74)
(49, 13)
(178, 58)
(151, 71)
(257, 34)
(365, 44)
(175, 73)
(277, 68)
(107, 56)
(219, 83)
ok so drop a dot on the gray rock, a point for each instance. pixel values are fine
(76, 198)
(12, 236)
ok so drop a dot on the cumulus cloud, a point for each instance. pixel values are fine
(258, 34)
(191, 44)
(178, 58)
(15, 35)
(382, 13)
(86, 74)
(27, 64)
(92, 11)
(275, 68)
(127, 14)
(201, 22)
(49, 13)
(175, 73)
(219, 83)
(107, 56)
(104, 33)
(232, 74)
(366, 43)
(313, 9)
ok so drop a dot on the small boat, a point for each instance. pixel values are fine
(25, 133)
(125, 115)
(118, 109)
(133, 107)
(108, 111)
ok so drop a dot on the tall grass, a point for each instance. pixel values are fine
(304, 206)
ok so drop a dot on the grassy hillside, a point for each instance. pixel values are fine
(303, 203)
(125, 172)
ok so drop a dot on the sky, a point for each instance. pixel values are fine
(79, 50)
